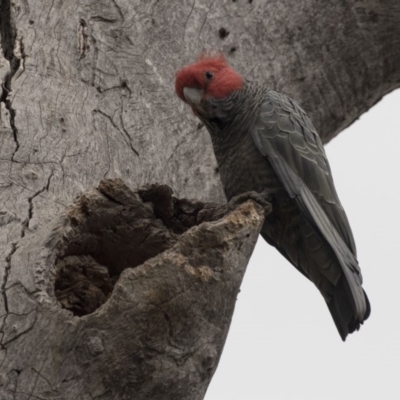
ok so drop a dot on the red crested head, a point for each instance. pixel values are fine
(211, 75)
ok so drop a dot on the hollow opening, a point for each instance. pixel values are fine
(112, 229)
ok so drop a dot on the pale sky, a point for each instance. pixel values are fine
(283, 344)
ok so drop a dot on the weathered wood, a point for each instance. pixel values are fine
(87, 94)
(158, 333)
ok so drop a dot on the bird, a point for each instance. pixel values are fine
(264, 142)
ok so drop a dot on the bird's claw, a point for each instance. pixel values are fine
(213, 212)
(263, 199)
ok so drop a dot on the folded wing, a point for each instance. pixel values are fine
(284, 134)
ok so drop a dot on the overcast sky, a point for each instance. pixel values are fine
(283, 344)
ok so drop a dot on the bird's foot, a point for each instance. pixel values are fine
(263, 199)
(213, 212)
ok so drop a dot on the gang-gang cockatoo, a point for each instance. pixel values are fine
(264, 142)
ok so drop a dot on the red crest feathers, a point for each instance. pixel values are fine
(218, 61)
(225, 80)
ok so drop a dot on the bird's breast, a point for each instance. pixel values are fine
(243, 169)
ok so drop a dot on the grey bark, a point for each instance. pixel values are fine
(87, 94)
(159, 332)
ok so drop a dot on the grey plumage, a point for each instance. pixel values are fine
(263, 140)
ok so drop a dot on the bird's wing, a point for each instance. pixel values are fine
(286, 136)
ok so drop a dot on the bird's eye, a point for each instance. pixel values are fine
(209, 75)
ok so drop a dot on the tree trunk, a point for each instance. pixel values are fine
(124, 294)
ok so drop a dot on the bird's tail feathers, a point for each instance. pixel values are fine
(344, 310)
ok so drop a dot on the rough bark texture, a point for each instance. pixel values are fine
(87, 94)
(159, 332)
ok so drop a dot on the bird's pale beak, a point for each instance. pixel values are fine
(193, 96)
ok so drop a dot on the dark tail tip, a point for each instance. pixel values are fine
(368, 312)
(343, 310)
